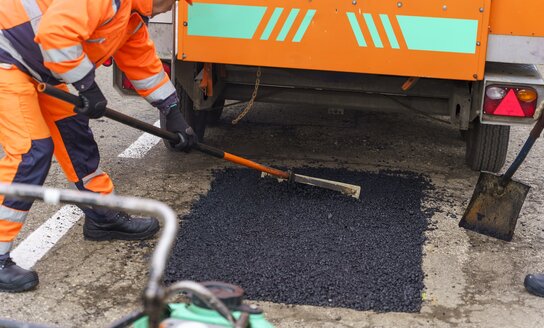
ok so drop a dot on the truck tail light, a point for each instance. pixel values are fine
(108, 62)
(167, 68)
(513, 101)
(127, 85)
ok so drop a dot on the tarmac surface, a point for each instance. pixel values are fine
(469, 280)
(298, 244)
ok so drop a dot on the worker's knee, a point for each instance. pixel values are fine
(44, 148)
(40, 154)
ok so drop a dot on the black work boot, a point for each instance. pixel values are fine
(534, 283)
(14, 279)
(118, 225)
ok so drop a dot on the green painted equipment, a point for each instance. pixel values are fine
(198, 311)
(190, 313)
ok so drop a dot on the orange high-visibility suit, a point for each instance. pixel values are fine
(62, 42)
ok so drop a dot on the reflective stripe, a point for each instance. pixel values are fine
(12, 215)
(107, 21)
(356, 29)
(374, 34)
(304, 25)
(79, 72)
(148, 83)
(6, 45)
(271, 23)
(32, 9)
(35, 23)
(33, 12)
(99, 40)
(56, 75)
(64, 54)
(288, 24)
(73, 186)
(115, 4)
(439, 34)
(138, 27)
(389, 31)
(91, 176)
(161, 93)
(5, 247)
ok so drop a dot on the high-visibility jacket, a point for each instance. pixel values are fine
(63, 41)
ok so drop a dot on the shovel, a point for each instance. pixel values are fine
(497, 200)
(344, 188)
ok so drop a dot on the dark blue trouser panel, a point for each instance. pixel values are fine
(33, 170)
(80, 145)
(83, 151)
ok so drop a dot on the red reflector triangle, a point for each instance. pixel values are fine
(509, 106)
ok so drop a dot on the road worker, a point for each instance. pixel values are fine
(62, 42)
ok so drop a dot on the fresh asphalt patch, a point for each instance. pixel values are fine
(299, 244)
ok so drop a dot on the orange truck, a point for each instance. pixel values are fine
(472, 60)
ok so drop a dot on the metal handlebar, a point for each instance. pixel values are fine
(154, 294)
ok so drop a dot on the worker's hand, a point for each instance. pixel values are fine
(177, 124)
(94, 102)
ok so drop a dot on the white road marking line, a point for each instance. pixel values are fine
(39, 242)
(141, 146)
(35, 246)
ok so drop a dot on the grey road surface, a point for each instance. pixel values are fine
(471, 280)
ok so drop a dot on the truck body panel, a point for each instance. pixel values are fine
(424, 57)
(436, 39)
(515, 17)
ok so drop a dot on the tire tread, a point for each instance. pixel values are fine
(487, 147)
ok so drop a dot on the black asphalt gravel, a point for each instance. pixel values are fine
(297, 244)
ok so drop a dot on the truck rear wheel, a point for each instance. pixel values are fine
(195, 118)
(214, 115)
(487, 146)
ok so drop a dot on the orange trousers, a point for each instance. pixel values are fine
(33, 127)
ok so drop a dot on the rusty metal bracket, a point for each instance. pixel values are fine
(206, 80)
(204, 83)
(410, 82)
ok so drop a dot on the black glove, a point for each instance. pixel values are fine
(94, 102)
(176, 123)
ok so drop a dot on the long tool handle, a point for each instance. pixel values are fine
(161, 133)
(241, 161)
(533, 136)
(110, 113)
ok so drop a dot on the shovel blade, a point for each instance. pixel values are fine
(494, 209)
